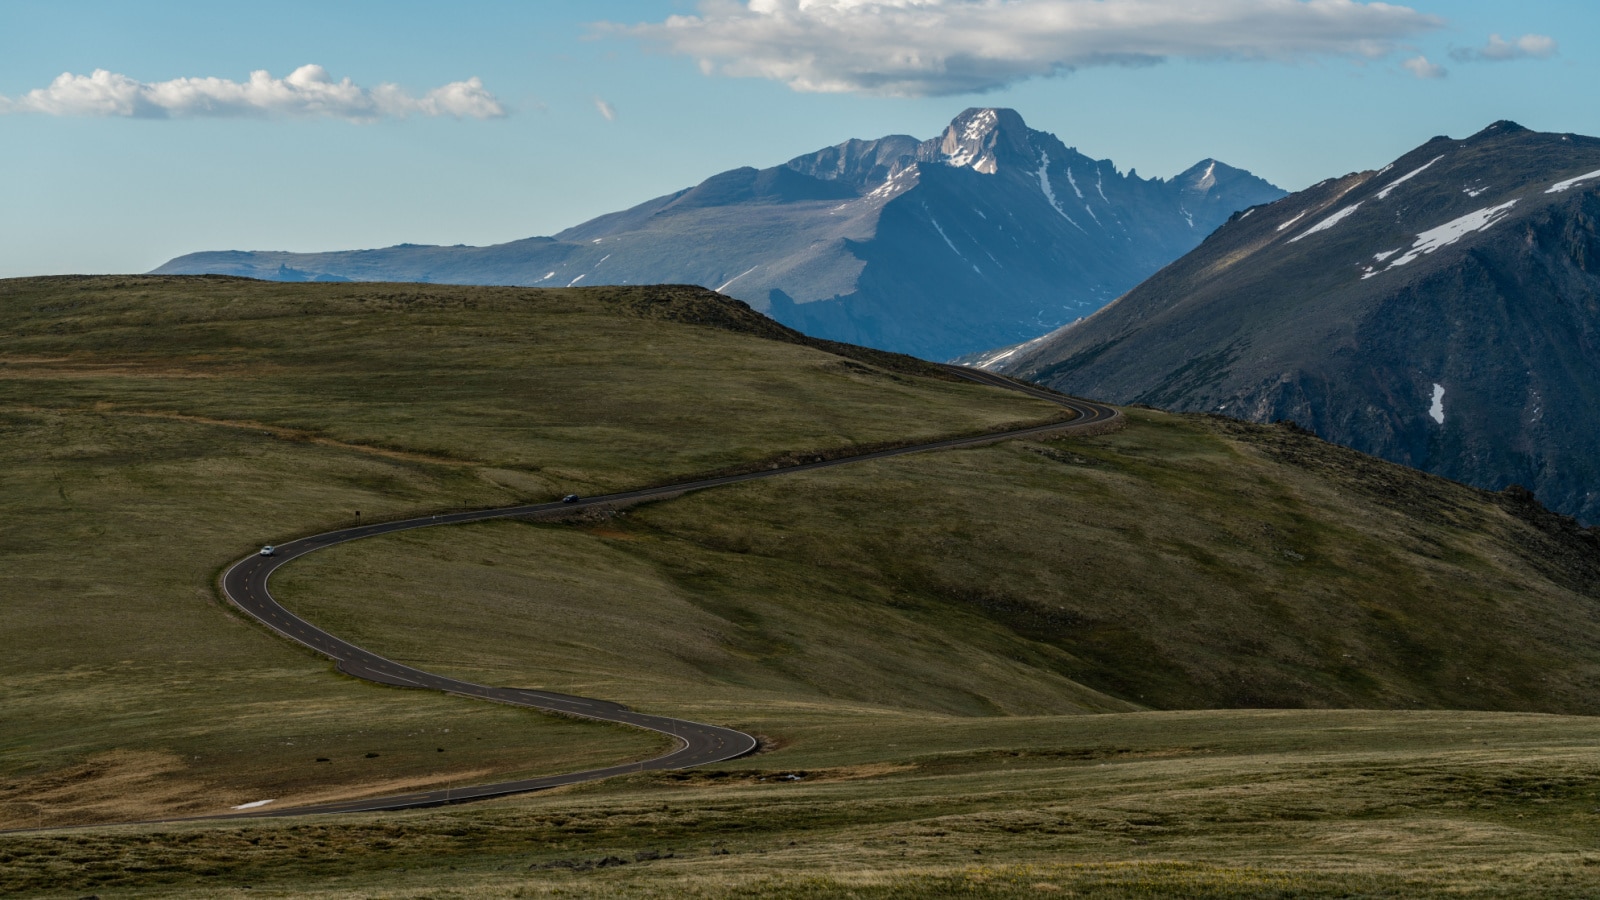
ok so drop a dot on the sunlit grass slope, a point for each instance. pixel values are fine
(1216, 804)
(154, 429)
(1178, 563)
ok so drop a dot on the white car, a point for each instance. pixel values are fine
(269, 550)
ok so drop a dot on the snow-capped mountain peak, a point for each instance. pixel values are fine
(984, 139)
(986, 233)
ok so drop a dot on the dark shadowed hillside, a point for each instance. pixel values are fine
(1443, 313)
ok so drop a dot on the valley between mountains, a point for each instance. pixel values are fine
(974, 672)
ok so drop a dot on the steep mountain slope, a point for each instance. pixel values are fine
(988, 234)
(1443, 313)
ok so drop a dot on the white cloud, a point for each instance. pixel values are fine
(1422, 68)
(1529, 46)
(939, 47)
(307, 92)
(605, 109)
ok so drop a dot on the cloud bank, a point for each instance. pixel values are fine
(942, 47)
(308, 92)
(1529, 46)
(1421, 67)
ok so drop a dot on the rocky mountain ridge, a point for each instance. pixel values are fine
(1443, 312)
(990, 233)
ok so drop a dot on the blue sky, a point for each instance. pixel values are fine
(1294, 90)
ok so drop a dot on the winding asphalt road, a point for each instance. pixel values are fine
(245, 586)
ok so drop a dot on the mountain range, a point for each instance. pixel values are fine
(988, 234)
(1443, 312)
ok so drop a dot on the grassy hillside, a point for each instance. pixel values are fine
(152, 430)
(990, 672)
(1179, 563)
(1306, 804)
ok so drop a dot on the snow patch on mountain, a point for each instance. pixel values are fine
(720, 288)
(1570, 183)
(893, 186)
(1327, 223)
(949, 242)
(1049, 192)
(1074, 182)
(980, 124)
(1290, 224)
(970, 151)
(1454, 230)
(1436, 411)
(993, 359)
(1384, 194)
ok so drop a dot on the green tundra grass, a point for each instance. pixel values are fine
(1223, 804)
(1178, 563)
(1022, 669)
(153, 430)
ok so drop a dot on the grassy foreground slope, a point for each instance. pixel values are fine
(152, 430)
(1217, 804)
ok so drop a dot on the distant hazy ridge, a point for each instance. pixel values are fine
(989, 234)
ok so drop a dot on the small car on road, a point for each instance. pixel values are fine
(269, 550)
(571, 498)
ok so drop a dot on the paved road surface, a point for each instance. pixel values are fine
(245, 585)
